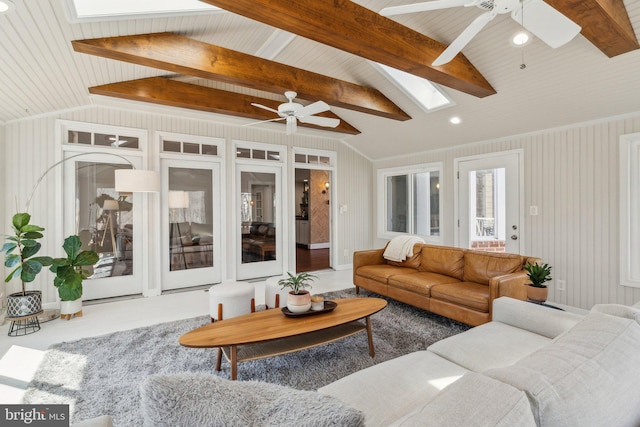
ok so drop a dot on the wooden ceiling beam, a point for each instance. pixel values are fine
(164, 91)
(179, 54)
(605, 23)
(352, 28)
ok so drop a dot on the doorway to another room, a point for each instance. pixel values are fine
(313, 219)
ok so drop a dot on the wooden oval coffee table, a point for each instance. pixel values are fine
(271, 333)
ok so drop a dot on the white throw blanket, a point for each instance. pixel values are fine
(401, 247)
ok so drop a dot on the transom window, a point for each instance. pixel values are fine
(409, 201)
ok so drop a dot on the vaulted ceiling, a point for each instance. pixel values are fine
(211, 62)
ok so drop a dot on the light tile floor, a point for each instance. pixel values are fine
(22, 355)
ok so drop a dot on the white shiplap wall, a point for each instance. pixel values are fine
(30, 147)
(572, 175)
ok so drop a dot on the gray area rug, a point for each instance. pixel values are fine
(101, 375)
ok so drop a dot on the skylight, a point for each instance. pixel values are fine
(128, 9)
(424, 93)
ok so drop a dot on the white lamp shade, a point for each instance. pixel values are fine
(137, 181)
(178, 199)
(111, 205)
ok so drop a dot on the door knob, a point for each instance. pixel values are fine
(514, 237)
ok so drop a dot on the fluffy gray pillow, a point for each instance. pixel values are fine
(205, 400)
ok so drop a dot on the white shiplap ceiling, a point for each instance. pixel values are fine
(40, 73)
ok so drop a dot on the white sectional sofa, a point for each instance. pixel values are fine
(530, 366)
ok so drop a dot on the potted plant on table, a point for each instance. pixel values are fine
(299, 299)
(538, 274)
(70, 274)
(20, 254)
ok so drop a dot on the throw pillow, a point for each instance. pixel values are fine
(587, 376)
(205, 400)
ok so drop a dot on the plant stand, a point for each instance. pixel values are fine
(69, 309)
(24, 325)
(70, 315)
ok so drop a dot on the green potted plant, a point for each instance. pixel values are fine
(70, 274)
(20, 255)
(299, 299)
(538, 274)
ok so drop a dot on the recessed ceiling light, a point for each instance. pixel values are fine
(455, 120)
(6, 6)
(520, 38)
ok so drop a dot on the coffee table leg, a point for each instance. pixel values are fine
(219, 359)
(234, 362)
(372, 351)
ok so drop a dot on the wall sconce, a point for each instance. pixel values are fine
(326, 188)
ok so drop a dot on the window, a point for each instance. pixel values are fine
(410, 201)
(630, 210)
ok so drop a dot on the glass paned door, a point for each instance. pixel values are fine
(489, 205)
(106, 222)
(191, 224)
(260, 223)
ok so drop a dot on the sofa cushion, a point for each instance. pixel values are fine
(473, 400)
(491, 345)
(411, 262)
(387, 391)
(587, 376)
(465, 294)
(205, 400)
(479, 266)
(536, 318)
(618, 310)
(381, 272)
(419, 283)
(442, 260)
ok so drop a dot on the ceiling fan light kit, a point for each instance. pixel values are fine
(291, 112)
(536, 16)
(6, 6)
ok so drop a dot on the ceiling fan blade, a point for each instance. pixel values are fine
(546, 23)
(315, 108)
(292, 125)
(264, 121)
(327, 122)
(264, 107)
(424, 6)
(464, 38)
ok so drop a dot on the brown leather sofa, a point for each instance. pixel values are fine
(457, 283)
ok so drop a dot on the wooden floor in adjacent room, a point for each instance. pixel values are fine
(312, 259)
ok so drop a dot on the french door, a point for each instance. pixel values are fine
(490, 202)
(107, 222)
(191, 223)
(259, 221)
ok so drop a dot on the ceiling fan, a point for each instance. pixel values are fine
(542, 20)
(291, 112)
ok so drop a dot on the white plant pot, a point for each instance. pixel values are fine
(299, 303)
(71, 307)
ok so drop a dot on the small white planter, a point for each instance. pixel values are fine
(70, 308)
(299, 303)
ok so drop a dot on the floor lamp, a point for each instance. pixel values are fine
(177, 200)
(110, 206)
(126, 180)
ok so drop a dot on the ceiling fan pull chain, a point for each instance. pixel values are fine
(522, 64)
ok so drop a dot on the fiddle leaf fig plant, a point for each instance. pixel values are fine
(297, 283)
(21, 248)
(538, 274)
(69, 271)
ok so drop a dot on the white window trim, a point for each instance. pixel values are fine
(630, 210)
(382, 198)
